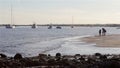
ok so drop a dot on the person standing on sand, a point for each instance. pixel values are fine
(103, 31)
(99, 32)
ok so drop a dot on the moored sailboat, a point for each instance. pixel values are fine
(72, 26)
(58, 27)
(10, 26)
(34, 26)
(50, 27)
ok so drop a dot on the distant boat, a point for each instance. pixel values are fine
(72, 26)
(9, 26)
(50, 27)
(34, 26)
(72, 22)
(58, 27)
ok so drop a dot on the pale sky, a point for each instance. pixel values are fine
(60, 11)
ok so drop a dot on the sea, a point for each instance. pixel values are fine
(67, 41)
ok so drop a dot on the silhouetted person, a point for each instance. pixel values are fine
(104, 31)
(100, 32)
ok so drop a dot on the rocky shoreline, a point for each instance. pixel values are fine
(61, 61)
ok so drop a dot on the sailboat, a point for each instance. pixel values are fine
(10, 26)
(50, 26)
(72, 26)
(72, 23)
(34, 26)
(58, 27)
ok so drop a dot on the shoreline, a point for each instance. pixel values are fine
(61, 61)
(104, 41)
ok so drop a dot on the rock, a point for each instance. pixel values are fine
(18, 56)
(3, 55)
(58, 54)
(97, 54)
(42, 55)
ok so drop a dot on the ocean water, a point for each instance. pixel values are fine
(31, 42)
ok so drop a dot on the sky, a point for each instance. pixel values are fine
(60, 11)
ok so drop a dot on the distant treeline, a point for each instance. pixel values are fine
(92, 25)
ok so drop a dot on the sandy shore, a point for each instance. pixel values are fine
(104, 41)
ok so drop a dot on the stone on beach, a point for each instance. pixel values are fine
(91, 62)
(18, 56)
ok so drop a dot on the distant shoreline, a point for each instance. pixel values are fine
(104, 41)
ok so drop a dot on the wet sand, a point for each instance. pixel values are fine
(104, 41)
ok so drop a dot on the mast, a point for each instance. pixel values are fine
(11, 14)
(72, 22)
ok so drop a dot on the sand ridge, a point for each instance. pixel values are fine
(104, 41)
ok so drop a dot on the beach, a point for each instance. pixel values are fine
(79, 47)
(104, 41)
(30, 42)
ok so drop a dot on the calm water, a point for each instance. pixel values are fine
(31, 42)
